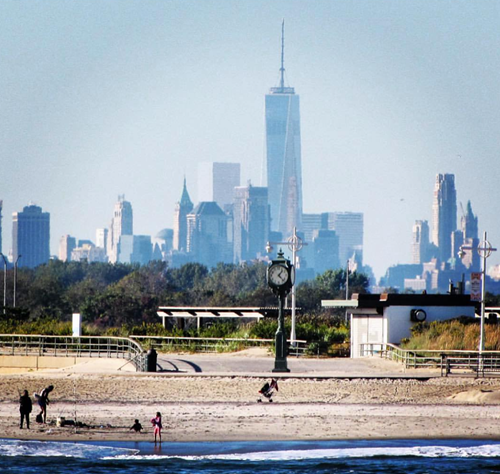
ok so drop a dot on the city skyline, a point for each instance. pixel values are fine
(102, 100)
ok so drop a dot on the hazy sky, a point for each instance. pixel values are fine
(101, 98)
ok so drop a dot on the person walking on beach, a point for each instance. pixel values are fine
(156, 422)
(43, 401)
(25, 407)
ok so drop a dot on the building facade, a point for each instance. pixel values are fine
(349, 229)
(121, 224)
(326, 250)
(444, 212)
(182, 209)
(31, 236)
(1, 206)
(251, 221)
(283, 154)
(216, 182)
(207, 240)
(66, 245)
(420, 242)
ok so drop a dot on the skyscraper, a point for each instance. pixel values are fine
(420, 242)
(31, 236)
(1, 206)
(349, 229)
(444, 212)
(216, 182)
(66, 245)
(250, 222)
(207, 239)
(121, 224)
(284, 169)
(182, 209)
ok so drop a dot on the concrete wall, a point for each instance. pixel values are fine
(399, 323)
(39, 362)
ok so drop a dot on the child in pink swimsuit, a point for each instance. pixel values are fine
(156, 422)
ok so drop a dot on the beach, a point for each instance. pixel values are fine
(225, 408)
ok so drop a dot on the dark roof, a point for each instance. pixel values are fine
(395, 299)
(208, 208)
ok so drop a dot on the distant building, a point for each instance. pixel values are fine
(31, 236)
(444, 211)
(313, 222)
(66, 245)
(326, 251)
(162, 244)
(121, 224)
(182, 209)
(135, 249)
(216, 182)
(251, 221)
(207, 241)
(1, 206)
(88, 252)
(101, 239)
(284, 168)
(420, 242)
(349, 229)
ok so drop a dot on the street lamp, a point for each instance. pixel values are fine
(484, 249)
(4, 281)
(294, 243)
(15, 279)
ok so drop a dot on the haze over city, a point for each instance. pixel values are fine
(101, 99)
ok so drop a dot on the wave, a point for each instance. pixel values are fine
(483, 451)
(12, 448)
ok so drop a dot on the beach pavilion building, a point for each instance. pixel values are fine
(380, 319)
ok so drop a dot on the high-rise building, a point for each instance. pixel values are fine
(349, 229)
(420, 242)
(251, 221)
(66, 245)
(469, 223)
(31, 236)
(135, 249)
(326, 250)
(444, 211)
(284, 169)
(101, 239)
(312, 223)
(1, 206)
(121, 224)
(207, 240)
(182, 209)
(216, 182)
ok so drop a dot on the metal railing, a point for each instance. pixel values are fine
(448, 361)
(69, 346)
(212, 344)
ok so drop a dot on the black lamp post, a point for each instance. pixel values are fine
(280, 278)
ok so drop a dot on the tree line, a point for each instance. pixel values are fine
(112, 295)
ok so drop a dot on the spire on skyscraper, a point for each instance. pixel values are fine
(282, 69)
(185, 199)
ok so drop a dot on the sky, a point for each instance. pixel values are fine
(103, 98)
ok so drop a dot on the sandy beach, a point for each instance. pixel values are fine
(225, 407)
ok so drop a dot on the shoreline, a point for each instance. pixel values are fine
(225, 408)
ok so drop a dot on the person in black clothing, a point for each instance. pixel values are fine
(137, 427)
(25, 407)
(43, 401)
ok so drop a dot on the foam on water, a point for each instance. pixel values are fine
(12, 448)
(485, 451)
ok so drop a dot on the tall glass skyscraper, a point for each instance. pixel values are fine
(284, 170)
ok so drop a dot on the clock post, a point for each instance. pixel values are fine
(280, 278)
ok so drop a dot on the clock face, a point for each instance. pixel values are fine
(278, 275)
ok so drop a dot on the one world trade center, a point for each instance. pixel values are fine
(284, 171)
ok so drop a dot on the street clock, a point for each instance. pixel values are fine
(281, 275)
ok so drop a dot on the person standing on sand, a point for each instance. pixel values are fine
(25, 407)
(43, 401)
(156, 422)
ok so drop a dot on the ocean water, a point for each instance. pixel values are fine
(398, 456)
